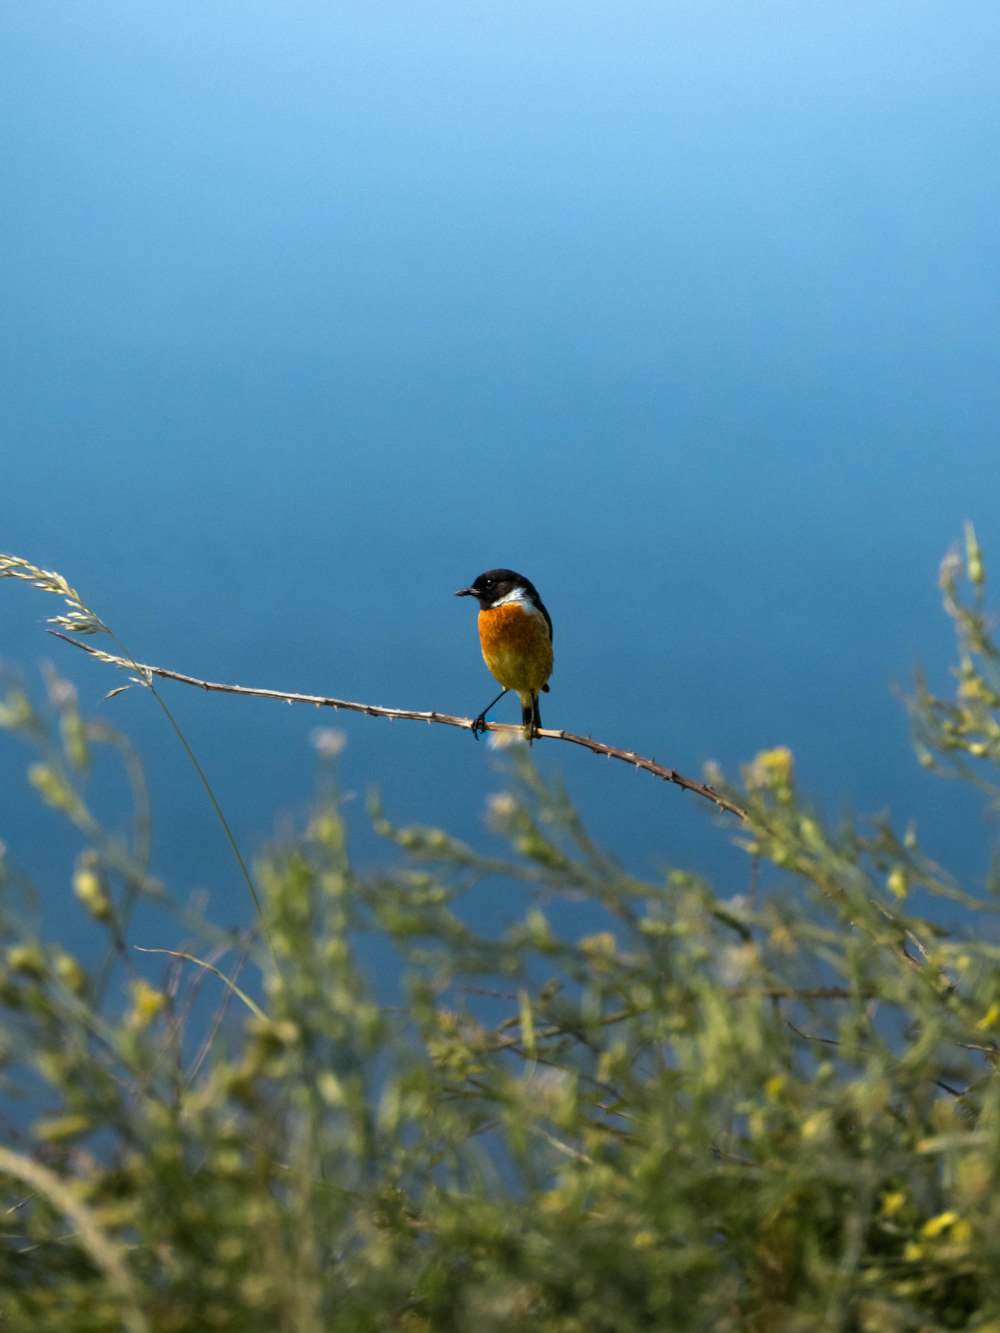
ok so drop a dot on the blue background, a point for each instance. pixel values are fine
(310, 313)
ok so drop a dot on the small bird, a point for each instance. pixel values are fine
(515, 633)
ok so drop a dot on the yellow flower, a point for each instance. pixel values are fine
(891, 1203)
(817, 1126)
(973, 555)
(897, 882)
(935, 1225)
(773, 768)
(147, 1002)
(601, 945)
(91, 888)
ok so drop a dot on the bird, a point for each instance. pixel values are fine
(515, 634)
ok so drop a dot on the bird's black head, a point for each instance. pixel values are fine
(497, 585)
(504, 585)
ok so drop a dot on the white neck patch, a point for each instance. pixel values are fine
(521, 597)
(516, 595)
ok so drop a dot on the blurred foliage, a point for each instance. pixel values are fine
(771, 1112)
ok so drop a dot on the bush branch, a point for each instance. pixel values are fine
(412, 715)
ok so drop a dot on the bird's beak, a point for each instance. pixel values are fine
(466, 592)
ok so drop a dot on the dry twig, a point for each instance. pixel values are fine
(411, 715)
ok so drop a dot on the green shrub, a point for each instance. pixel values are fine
(771, 1112)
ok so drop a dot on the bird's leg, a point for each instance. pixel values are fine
(531, 717)
(480, 723)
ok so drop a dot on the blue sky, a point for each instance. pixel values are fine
(313, 312)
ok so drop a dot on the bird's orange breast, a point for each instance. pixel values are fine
(516, 646)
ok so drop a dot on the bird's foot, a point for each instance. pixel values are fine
(479, 726)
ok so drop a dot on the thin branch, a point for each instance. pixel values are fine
(834, 1041)
(411, 715)
(100, 1248)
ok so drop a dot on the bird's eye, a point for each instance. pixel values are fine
(488, 583)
